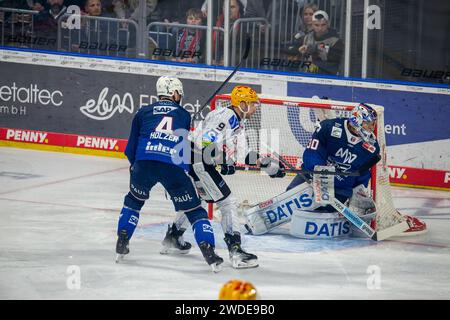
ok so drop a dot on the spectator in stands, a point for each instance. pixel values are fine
(322, 47)
(236, 11)
(100, 36)
(304, 20)
(37, 5)
(129, 9)
(93, 8)
(191, 41)
(175, 10)
(304, 26)
(46, 24)
(251, 8)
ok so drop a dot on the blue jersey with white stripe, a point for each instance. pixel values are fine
(333, 143)
(159, 132)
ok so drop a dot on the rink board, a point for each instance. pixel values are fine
(111, 147)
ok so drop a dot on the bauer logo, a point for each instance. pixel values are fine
(105, 107)
(27, 136)
(285, 209)
(97, 143)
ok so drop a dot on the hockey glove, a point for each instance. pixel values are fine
(273, 168)
(227, 169)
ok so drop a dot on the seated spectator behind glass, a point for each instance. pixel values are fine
(129, 9)
(99, 36)
(46, 24)
(175, 10)
(37, 5)
(322, 47)
(304, 26)
(93, 8)
(190, 43)
(304, 21)
(236, 11)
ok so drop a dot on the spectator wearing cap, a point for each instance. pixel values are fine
(322, 47)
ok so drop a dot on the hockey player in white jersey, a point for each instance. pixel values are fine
(215, 143)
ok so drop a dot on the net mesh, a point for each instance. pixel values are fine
(285, 125)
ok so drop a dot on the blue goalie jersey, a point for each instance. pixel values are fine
(333, 144)
(159, 132)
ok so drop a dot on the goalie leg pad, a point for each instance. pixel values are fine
(278, 210)
(319, 225)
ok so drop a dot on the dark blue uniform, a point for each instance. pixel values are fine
(332, 143)
(156, 149)
(159, 132)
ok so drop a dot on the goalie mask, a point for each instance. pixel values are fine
(166, 86)
(363, 121)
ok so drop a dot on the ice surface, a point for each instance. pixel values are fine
(59, 214)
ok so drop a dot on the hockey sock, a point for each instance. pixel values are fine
(129, 216)
(201, 226)
(128, 221)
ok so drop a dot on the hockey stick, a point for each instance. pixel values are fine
(350, 215)
(303, 172)
(244, 57)
(323, 187)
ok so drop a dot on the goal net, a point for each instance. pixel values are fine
(285, 125)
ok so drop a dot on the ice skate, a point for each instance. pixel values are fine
(210, 256)
(173, 242)
(122, 246)
(238, 257)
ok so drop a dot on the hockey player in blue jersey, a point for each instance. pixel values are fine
(348, 145)
(156, 149)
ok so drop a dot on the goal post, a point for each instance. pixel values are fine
(286, 124)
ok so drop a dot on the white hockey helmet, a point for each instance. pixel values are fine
(360, 114)
(166, 86)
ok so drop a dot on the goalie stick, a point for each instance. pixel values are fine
(344, 210)
(244, 57)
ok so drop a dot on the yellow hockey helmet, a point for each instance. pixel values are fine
(238, 290)
(243, 93)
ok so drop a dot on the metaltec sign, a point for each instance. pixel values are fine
(86, 102)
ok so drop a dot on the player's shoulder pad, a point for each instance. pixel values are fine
(233, 120)
(325, 125)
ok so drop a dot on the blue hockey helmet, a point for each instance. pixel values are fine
(363, 121)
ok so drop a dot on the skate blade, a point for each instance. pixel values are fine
(168, 250)
(245, 264)
(216, 267)
(119, 257)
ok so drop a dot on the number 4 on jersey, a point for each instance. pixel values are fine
(165, 125)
